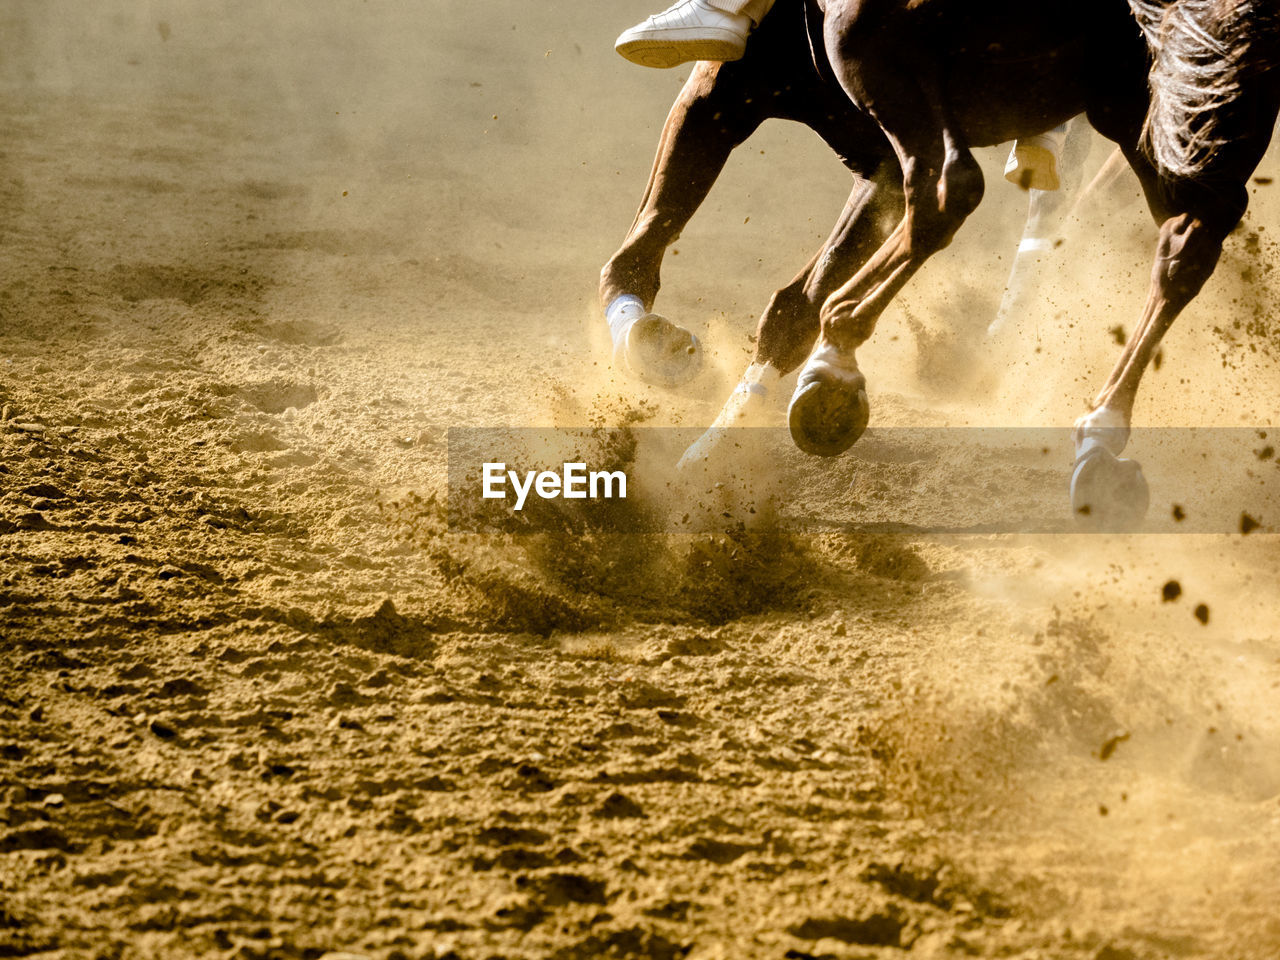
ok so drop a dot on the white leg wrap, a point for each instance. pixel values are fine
(746, 407)
(826, 357)
(620, 314)
(749, 397)
(1105, 427)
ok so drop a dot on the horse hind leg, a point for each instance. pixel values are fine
(1047, 215)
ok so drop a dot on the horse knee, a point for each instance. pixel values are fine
(938, 202)
(1186, 256)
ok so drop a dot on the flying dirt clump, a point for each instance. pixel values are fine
(577, 579)
(742, 571)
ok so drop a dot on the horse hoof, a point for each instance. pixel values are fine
(828, 413)
(659, 352)
(1108, 493)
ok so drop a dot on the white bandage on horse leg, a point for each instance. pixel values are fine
(1033, 161)
(746, 407)
(1104, 427)
(749, 398)
(620, 314)
(1035, 245)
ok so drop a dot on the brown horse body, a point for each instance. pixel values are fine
(902, 90)
(942, 76)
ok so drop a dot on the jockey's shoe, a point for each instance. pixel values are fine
(688, 30)
(1033, 161)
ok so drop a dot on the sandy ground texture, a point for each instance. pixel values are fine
(258, 700)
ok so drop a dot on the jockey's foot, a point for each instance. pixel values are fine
(1033, 161)
(688, 30)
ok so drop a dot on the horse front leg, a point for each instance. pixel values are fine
(791, 321)
(713, 114)
(943, 185)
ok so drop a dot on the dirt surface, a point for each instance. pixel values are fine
(257, 699)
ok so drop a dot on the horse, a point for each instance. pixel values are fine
(784, 75)
(1188, 90)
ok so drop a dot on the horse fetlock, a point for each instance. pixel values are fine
(633, 270)
(845, 328)
(650, 347)
(1105, 428)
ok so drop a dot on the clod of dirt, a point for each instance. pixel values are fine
(640, 695)
(163, 730)
(33, 521)
(717, 851)
(1109, 746)
(1202, 613)
(531, 779)
(558, 889)
(37, 838)
(1171, 591)
(879, 928)
(1248, 524)
(921, 884)
(617, 806)
(519, 913)
(45, 490)
(881, 556)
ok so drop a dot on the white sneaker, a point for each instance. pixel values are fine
(688, 30)
(1033, 161)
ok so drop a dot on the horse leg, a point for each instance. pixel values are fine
(1047, 212)
(790, 323)
(792, 320)
(714, 113)
(1108, 491)
(942, 184)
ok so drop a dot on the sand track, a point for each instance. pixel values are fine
(257, 700)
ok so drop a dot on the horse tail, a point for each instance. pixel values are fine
(1203, 54)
